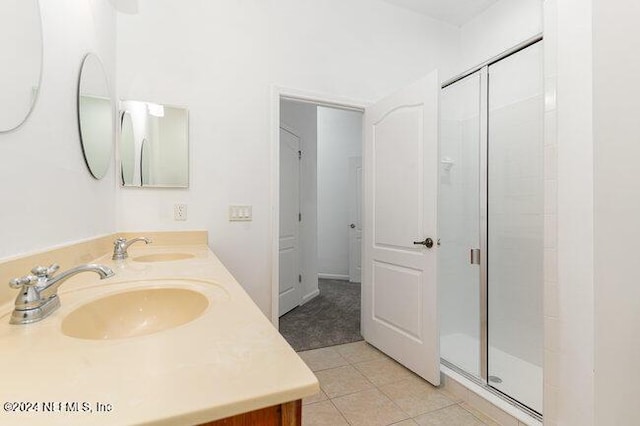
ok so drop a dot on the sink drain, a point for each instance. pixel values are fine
(495, 379)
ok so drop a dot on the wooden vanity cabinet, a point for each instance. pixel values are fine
(287, 414)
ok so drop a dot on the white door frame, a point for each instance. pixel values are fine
(278, 93)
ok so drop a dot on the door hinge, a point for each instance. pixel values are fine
(299, 155)
(299, 217)
(299, 278)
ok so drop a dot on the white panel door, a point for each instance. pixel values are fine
(289, 254)
(399, 298)
(355, 219)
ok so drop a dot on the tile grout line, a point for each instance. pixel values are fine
(340, 412)
(479, 411)
(353, 365)
(453, 402)
(378, 388)
(449, 396)
(390, 400)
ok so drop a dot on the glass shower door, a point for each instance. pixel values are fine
(516, 226)
(459, 224)
(491, 226)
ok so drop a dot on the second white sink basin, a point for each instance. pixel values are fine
(134, 313)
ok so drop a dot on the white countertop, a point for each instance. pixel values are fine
(228, 361)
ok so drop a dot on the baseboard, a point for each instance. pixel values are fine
(310, 296)
(333, 276)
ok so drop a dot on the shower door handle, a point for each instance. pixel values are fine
(474, 256)
(428, 242)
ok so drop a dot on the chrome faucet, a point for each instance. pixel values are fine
(38, 296)
(121, 245)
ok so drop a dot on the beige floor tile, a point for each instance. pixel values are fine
(322, 414)
(342, 381)
(490, 410)
(483, 417)
(408, 422)
(320, 396)
(383, 371)
(369, 408)
(453, 415)
(416, 396)
(322, 359)
(454, 390)
(359, 352)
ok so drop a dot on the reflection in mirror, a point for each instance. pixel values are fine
(21, 60)
(155, 151)
(95, 115)
(144, 163)
(127, 150)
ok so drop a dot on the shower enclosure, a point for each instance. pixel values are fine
(491, 225)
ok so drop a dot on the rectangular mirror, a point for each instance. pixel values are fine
(154, 145)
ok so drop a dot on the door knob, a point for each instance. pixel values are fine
(428, 243)
(353, 225)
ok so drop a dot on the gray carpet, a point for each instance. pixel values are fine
(331, 318)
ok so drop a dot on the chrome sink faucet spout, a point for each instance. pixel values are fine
(38, 296)
(121, 245)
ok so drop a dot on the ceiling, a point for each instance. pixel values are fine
(456, 12)
(126, 6)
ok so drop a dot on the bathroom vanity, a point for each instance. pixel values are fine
(172, 338)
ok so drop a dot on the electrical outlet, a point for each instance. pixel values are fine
(180, 212)
(240, 214)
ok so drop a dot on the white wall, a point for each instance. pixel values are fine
(502, 26)
(303, 119)
(220, 59)
(48, 195)
(339, 139)
(571, 370)
(616, 66)
(551, 310)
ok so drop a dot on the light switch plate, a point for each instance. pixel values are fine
(180, 212)
(240, 214)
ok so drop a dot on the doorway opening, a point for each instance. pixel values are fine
(319, 225)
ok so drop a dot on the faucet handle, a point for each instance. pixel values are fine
(38, 273)
(45, 272)
(27, 280)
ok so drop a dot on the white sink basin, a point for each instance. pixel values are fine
(134, 313)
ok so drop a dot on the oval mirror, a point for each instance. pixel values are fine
(127, 150)
(21, 52)
(95, 116)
